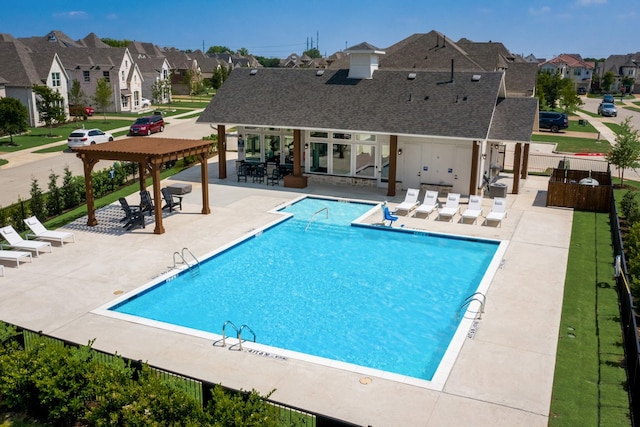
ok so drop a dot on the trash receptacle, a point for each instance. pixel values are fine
(498, 189)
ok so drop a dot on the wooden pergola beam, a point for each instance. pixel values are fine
(149, 154)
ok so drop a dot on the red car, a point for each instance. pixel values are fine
(147, 125)
(89, 110)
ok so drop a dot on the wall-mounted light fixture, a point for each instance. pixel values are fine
(399, 151)
(306, 146)
(496, 146)
(484, 156)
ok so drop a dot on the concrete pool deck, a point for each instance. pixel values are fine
(502, 376)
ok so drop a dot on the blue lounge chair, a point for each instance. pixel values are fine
(388, 216)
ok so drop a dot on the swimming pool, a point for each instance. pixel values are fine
(391, 301)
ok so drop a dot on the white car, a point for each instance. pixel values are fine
(83, 137)
(145, 103)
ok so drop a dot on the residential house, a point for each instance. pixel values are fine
(88, 61)
(571, 66)
(624, 67)
(403, 126)
(185, 73)
(21, 69)
(155, 70)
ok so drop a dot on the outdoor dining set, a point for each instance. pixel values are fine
(260, 171)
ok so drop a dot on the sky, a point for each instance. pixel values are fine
(277, 28)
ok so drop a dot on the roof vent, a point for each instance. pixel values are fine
(253, 72)
(475, 78)
(411, 76)
(319, 72)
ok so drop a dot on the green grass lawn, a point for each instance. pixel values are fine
(569, 144)
(40, 136)
(590, 379)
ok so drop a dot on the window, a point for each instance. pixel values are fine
(272, 145)
(86, 76)
(125, 102)
(319, 135)
(319, 157)
(252, 147)
(365, 137)
(341, 159)
(55, 79)
(365, 160)
(136, 98)
(341, 136)
(105, 74)
(123, 76)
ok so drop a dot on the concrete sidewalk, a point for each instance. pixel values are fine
(502, 377)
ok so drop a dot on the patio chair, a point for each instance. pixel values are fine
(171, 200)
(40, 232)
(388, 216)
(258, 174)
(133, 216)
(14, 240)
(274, 177)
(474, 210)
(429, 204)
(451, 207)
(410, 201)
(15, 256)
(146, 202)
(243, 171)
(498, 211)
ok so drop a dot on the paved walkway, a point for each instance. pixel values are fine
(502, 377)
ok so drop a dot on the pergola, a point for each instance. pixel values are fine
(150, 154)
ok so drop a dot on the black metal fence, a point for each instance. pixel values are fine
(627, 316)
(200, 390)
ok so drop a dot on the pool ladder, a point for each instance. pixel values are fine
(238, 333)
(314, 215)
(478, 297)
(181, 255)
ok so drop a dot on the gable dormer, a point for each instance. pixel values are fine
(363, 60)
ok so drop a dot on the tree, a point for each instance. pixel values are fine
(312, 53)
(76, 100)
(37, 203)
(116, 43)
(243, 51)
(607, 81)
(160, 89)
(569, 100)
(625, 153)
(50, 104)
(102, 97)
(14, 117)
(218, 49)
(550, 85)
(54, 198)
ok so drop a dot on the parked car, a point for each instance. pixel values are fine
(608, 99)
(79, 110)
(84, 137)
(145, 103)
(147, 125)
(582, 91)
(607, 109)
(553, 121)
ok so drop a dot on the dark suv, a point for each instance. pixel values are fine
(553, 121)
(147, 125)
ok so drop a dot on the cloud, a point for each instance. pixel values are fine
(73, 14)
(544, 10)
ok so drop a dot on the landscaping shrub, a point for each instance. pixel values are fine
(629, 207)
(79, 386)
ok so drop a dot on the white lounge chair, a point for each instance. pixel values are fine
(14, 240)
(429, 204)
(40, 232)
(474, 210)
(451, 207)
(410, 201)
(498, 211)
(15, 256)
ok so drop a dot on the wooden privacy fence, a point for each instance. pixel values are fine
(565, 190)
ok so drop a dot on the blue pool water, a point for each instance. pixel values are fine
(370, 296)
